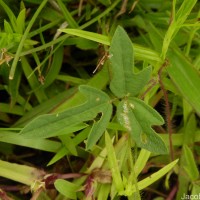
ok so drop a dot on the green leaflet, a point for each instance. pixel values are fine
(137, 118)
(124, 82)
(51, 124)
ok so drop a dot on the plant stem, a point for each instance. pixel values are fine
(167, 109)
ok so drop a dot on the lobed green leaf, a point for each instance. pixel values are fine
(124, 82)
(50, 125)
(137, 118)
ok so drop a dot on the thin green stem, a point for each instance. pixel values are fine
(44, 46)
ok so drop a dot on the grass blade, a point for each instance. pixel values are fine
(20, 173)
(70, 20)
(185, 77)
(113, 163)
(141, 52)
(21, 44)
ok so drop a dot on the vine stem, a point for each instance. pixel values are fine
(167, 108)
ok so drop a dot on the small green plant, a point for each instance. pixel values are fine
(81, 97)
(132, 113)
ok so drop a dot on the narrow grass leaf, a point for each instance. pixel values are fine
(7, 27)
(141, 161)
(14, 85)
(195, 190)
(68, 17)
(113, 163)
(66, 188)
(71, 79)
(184, 11)
(69, 144)
(154, 177)
(105, 2)
(185, 77)
(55, 67)
(178, 18)
(190, 128)
(23, 39)
(190, 167)
(10, 15)
(98, 161)
(60, 154)
(40, 144)
(20, 21)
(102, 39)
(33, 81)
(101, 15)
(103, 192)
(141, 52)
(20, 173)
(15, 109)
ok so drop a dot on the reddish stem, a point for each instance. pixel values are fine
(167, 109)
(172, 193)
